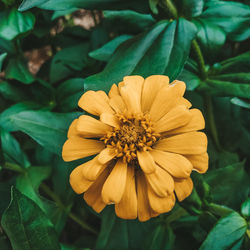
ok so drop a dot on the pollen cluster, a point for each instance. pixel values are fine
(135, 133)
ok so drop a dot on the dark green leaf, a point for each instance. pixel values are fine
(245, 208)
(13, 23)
(161, 45)
(128, 21)
(27, 226)
(153, 6)
(68, 60)
(192, 80)
(232, 17)
(6, 117)
(233, 182)
(139, 5)
(10, 92)
(69, 93)
(192, 8)
(17, 69)
(12, 151)
(240, 102)
(106, 51)
(226, 233)
(60, 13)
(29, 182)
(46, 128)
(2, 57)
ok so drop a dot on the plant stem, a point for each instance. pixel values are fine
(171, 8)
(211, 121)
(78, 220)
(219, 210)
(199, 59)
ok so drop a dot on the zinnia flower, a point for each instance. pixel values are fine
(145, 141)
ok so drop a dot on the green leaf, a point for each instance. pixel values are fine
(17, 69)
(27, 226)
(225, 88)
(192, 8)
(68, 60)
(139, 5)
(6, 116)
(128, 21)
(107, 50)
(245, 208)
(222, 13)
(46, 128)
(13, 23)
(11, 92)
(69, 93)
(240, 102)
(153, 6)
(192, 80)
(29, 182)
(2, 57)
(228, 231)
(228, 182)
(149, 53)
(210, 36)
(12, 151)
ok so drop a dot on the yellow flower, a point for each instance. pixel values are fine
(146, 144)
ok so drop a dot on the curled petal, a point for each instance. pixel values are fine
(200, 162)
(183, 188)
(94, 103)
(114, 91)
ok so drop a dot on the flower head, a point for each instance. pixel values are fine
(145, 142)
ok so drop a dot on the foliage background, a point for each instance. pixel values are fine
(52, 51)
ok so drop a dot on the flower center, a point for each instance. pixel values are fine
(135, 133)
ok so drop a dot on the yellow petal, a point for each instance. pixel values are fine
(114, 186)
(166, 99)
(117, 104)
(72, 129)
(92, 169)
(146, 162)
(183, 188)
(151, 87)
(161, 182)
(90, 127)
(160, 204)
(76, 148)
(103, 95)
(93, 195)
(110, 119)
(78, 183)
(106, 155)
(144, 210)
(185, 102)
(200, 162)
(196, 122)
(188, 143)
(114, 91)
(176, 117)
(127, 207)
(94, 103)
(175, 164)
(131, 93)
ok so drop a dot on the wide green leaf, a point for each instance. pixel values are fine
(27, 226)
(17, 69)
(85, 4)
(192, 8)
(2, 57)
(106, 51)
(12, 151)
(245, 208)
(13, 23)
(232, 17)
(226, 233)
(149, 53)
(46, 128)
